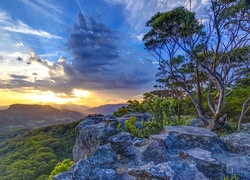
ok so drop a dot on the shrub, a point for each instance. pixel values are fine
(61, 167)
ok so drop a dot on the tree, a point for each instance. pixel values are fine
(196, 55)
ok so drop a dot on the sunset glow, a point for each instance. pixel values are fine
(77, 52)
(81, 93)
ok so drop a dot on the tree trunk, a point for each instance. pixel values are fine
(218, 123)
(199, 99)
(243, 112)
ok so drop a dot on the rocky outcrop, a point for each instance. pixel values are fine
(178, 152)
(93, 132)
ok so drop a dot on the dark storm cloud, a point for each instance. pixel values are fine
(97, 56)
(19, 58)
(92, 45)
(18, 76)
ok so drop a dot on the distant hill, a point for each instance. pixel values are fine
(72, 107)
(105, 109)
(29, 116)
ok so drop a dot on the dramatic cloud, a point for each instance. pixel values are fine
(100, 62)
(98, 56)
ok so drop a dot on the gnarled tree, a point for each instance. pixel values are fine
(216, 48)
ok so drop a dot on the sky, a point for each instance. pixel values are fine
(78, 51)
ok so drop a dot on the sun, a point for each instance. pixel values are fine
(81, 93)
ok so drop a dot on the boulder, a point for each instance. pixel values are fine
(237, 165)
(197, 122)
(122, 144)
(238, 142)
(180, 170)
(178, 138)
(155, 152)
(93, 132)
(100, 165)
(212, 168)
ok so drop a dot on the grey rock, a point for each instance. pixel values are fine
(212, 168)
(63, 176)
(246, 127)
(238, 142)
(139, 142)
(197, 122)
(93, 132)
(178, 152)
(104, 174)
(194, 131)
(238, 165)
(178, 138)
(122, 144)
(180, 170)
(156, 152)
(103, 161)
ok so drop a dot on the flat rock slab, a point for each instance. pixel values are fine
(195, 131)
(165, 171)
(238, 165)
(177, 138)
(197, 153)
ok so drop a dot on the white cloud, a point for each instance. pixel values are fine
(19, 44)
(46, 8)
(7, 24)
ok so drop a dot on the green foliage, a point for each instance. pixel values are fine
(191, 55)
(233, 177)
(233, 103)
(163, 111)
(32, 154)
(121, 111)
(151, 127)
(61, 167)
(161, 108)
(148, 128)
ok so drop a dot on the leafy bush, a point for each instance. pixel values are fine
(151, 127)
(61, 167)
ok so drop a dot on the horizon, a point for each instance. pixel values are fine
(78, 52)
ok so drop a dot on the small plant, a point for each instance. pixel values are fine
(233, 177)
(61, 167)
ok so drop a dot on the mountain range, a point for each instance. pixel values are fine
(32, 116)
(104, 109)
